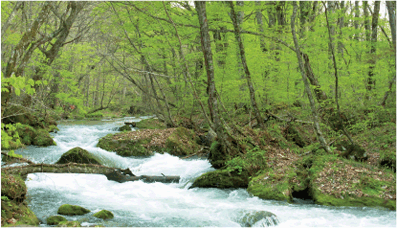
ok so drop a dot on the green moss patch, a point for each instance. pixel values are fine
(68, 209)
(182, 142)
(150, 124)
(13, 187)
(124, 145)
(339, 182)
(78, 155)
(125, 128)
(69, 224)
(52, 128)
(16, 214)
(43, 138)
(26, 133)
(55, 220)
(104, 214)
(221, 179)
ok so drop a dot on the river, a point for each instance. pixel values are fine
(139, 204)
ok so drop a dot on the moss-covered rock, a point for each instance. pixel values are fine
(69, 224)
(17, 214)
(52, 128)
(43, 138)
(54, 220)
(78, 155)
(68, 209)
(182, 142)
(222, 179)
(339, 182)
(125, 128)
(13, 187)
(354, 152)
(295, 133)
(150, 124)
(124, 146)
(271, 185)
(217, 157)
(26, 133)
(104, 214)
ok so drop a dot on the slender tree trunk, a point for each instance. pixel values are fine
(356, 20)
(374, 35)
(319, 134)
(391, 10)
(245, 67)
(259, 20)
(366, 22)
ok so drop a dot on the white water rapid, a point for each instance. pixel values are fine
(139, 204)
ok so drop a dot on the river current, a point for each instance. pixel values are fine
(139, 204)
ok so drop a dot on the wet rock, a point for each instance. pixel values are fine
(69, 224)
(104, 214)
(68, 209)
(258, 219)
(78, 155)
(125, 128)
(55, 220)
(221, 179)
(125, 146)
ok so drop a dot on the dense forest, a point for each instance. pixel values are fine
(315, 80)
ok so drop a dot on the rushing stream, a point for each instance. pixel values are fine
(139, 204)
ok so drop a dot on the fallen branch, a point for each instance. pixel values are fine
(12, 159)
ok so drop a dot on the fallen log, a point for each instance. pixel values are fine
(114, 174)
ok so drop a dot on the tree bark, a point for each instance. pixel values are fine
(391, 10)
(319, 134)
(245, 66)
(110, 173)
(374, 35)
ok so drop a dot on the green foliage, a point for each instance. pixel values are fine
(252, 162)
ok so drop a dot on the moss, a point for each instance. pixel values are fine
(388, 159)
(252, 217)
(125, 147)
(78, 155)
(353, 183)
(294, 133)
(68, 209)
(104, 214)
(182, 142)
(17, 214)
(26, 133)
(69, 224)
(125, 128)
(150, 124)
(13, 187)
(54, 220)
(270, 185)
(52, 128)
(43, 138)
(222, 179)
(217, 157)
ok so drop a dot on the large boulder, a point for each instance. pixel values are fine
(78, 155)
(124, 145)
(26, 133)
(69, 224)
(104, 214)
(55, 220)
(43, 138)
(68, 209)
(125, 128)
(339, 182)
(150, 124)
(258, 219)
(222, 179)
(182, 142)
(217, 157)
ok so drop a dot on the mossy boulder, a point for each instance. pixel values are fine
(258, 218)
(222, 179)
(217, 157)
(354, 152)
(54, 220)
(339, 182)
(13, 187)
(182, 142)
(43, 138)
(68, 209)
(52, 128)
(69, 224)
(295, 133)
(104, 214)
(150, 124)
(17, 214)
(272, 185)
(26, 133)
(124, 146)
(78, 155)
(125, 128)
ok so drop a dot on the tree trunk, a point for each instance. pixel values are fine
(319, 134)
(366, 22)
(391, 10)
(245, 66)
(259, 20)
(111, 173)
(374, 35)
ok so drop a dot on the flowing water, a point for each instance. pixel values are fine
(139, 204)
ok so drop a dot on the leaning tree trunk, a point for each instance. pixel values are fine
(245, 66)
(319, 134)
